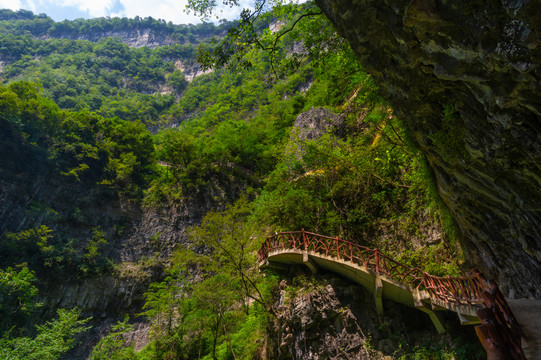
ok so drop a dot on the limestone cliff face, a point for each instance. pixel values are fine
(134, 38)
(139, 240)
(466, 76)
(331, 318)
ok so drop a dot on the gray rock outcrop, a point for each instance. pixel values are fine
(465, 76)
(331, 318)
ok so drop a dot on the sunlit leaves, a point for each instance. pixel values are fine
(52, 340)
(114, 345)
(18, 292)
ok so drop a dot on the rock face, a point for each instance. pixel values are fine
(317, 325)
(135, 38)
(466, 76)
(331, 318)
(315, 122)
(311, 125)
(139, 240)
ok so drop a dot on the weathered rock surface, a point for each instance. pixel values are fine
(191, 69)
(316, 325)
(466, 76)
(137, 38)
(139, 240)
(332, 318)
(311, 125)
(315, 122)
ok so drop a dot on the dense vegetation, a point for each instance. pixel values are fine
(23, 22)
(106, 76)
(83, 107)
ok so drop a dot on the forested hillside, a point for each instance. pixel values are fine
(135, 166)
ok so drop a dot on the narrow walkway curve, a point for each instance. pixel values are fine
(385, 277)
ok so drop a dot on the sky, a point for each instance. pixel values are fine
(169, 10)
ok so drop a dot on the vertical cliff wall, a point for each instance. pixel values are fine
(139, 240)
(465, 76)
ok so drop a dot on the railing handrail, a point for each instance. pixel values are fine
(469, 290)
(449, 289)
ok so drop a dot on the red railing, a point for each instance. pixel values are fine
(460, 290)
(472, 289)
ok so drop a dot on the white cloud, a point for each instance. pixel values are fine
(173, 10)
(95, 8)
(169, 10)
(10, 4)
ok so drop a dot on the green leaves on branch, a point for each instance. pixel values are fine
(230, 249)
(252, 32)
(205, 8)
(52, 340)
(203, 307)
(113, 345)
(18, 295)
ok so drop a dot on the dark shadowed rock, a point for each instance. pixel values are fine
(332, 318)
(465, 76)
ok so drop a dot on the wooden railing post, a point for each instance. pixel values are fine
(470, 290)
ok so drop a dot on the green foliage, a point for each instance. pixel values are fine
(18, 302)
(93, 259)
(461, 351)
(43, 251)
(30, 245)
(212, 317)
(230, 249)
(177, 81)
(52, 340)
(17, 297)
(219, 147)
(113, 345)
(438, 260)
(19, 285)
(82, 145)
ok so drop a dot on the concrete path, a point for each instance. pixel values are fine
(528, 315)
(527, 312)
(380, 286)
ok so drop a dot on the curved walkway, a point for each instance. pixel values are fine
(385, 277)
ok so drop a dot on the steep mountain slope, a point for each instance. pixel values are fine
(464, 75)
(115, 220)
(135, 69)
(137, 32)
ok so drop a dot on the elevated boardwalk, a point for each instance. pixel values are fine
(380, 285)
(385, 277)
